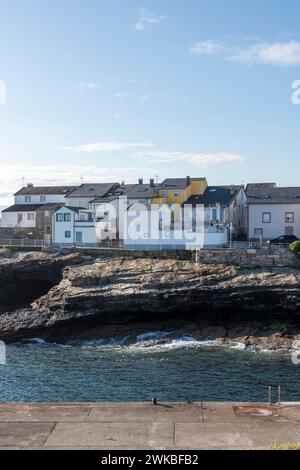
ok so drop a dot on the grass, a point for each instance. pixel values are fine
(288, 446)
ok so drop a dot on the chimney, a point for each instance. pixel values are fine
(140, 180)
(152, 182)
(188, 180)
(29, 185)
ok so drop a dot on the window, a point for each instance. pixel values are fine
(59, 217)
(289, 217)
(164, 194)
(67, 217)
(30, 216)
(42, 198)
(258, 232)
(266, 217)
(176, 193)
(27, 198)
(67, 234)
(222, 214)
(47, 213)
(214, 215)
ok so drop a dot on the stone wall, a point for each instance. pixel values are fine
(250, 258)
(243, 258)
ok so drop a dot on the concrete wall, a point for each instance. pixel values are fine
(278, 223)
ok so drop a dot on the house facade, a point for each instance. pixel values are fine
(273, 212)
(73, 226)
(23, 214)
(84, 194)
(224, 210)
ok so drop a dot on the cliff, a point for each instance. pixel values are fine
(83, 296)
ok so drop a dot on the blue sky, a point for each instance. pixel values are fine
(122, 89)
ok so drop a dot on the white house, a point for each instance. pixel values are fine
(26, 202)
(224, 212)
(272, 212)
(84, 194)
(73, 226)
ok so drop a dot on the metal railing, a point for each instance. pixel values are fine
(119, 245)
(22, 242)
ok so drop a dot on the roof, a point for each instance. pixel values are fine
(253, 186)
(177, 183)
(22, 208)
(213, 195)
(44, 190)
(120, 190)
(92, 190)
(73, 209)
(141, 191)
(50, 206)
(274, 196)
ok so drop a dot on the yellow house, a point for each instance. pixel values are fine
(178, 190)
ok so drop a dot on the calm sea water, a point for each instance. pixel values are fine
(154, 364)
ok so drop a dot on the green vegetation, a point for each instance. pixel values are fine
(295, 246)
(288, 446)
(12, 248)
(278, 326)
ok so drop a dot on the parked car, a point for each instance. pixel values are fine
(284, 240)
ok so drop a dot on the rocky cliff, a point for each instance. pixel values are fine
(88, 296)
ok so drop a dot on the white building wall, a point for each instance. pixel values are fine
(78, 201)
(36, 199)
(238, 214)
(278, 223)
(59, 229)
(88, 231)
(10, 220)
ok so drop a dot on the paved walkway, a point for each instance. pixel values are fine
(146, 426)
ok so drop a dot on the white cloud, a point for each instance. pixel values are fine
(268, 53)
(107, 146)
(124, 94)
(277, 53)
(147, 19)
(89, 86)
(200, 160)
(207, 47)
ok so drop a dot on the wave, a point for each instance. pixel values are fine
(150, 342)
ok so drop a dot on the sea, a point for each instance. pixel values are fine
(154, 364)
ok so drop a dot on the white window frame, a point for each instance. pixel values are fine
(263, 217)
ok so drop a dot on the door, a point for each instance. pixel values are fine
(289, 230)
(78, 237)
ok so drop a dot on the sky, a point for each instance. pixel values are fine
(97, 90)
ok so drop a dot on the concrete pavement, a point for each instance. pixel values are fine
(165, 426)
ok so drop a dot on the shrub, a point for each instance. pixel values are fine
(295, 247)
